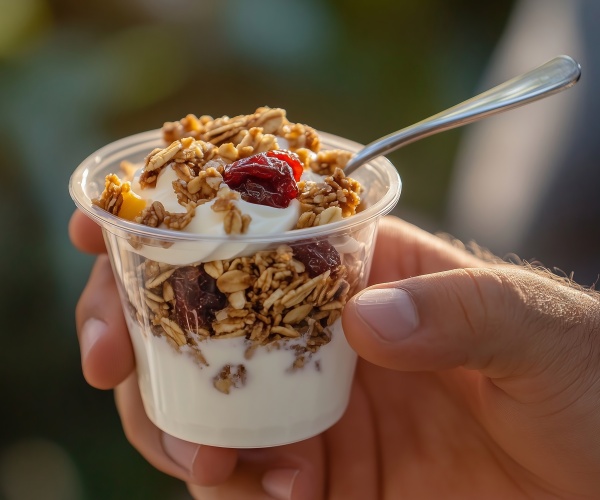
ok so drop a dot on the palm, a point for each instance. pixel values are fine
(414, 436)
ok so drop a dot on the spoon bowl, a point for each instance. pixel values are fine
(556, 75)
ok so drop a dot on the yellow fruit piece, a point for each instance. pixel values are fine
(132, 205)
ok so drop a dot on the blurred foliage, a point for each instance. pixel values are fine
(76, 75)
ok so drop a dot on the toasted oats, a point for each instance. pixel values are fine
(235, 222)
(153, 296)
(274, 297)
(160, 279)
(330, 214)
(228, 325)
(229, 152)
(173, 331)
(336, 304)
(160, 158)
(167, 291)
(285, 331)
(233, 281)
(271, 120)
(214, 268)
(232, 335)
(296, 296)
(297, 314)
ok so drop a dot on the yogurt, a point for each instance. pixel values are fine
(265, 220)
(276, 406)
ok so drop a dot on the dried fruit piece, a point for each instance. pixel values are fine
(197, 297)
(132, 205)
(318, 257)
(263, 180)
(292, 159)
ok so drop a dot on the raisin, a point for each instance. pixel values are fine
(197, 297)
(317, 257)
(263, 179)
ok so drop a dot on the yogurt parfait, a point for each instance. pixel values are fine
(235, 243)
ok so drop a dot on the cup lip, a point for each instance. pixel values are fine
(121, 147)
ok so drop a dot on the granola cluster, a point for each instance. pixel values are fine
(328, 201)
(111, 199)
(200, 148)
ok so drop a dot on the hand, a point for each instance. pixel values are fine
(476, 381)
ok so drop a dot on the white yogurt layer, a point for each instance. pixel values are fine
(265, 221)
(274, 407)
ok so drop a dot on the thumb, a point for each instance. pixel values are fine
(504, 321)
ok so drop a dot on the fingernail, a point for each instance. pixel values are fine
(183, 453)
(93, 329)
(279, 483)
(389, 312)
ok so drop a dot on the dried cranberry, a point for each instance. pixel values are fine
(317, 257)
(263, 179)
(197, 297)
(291, 159)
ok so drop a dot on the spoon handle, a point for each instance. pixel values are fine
(558, 74)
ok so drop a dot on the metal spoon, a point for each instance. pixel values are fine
(558, 74)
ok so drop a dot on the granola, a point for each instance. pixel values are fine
(199, 150)
(266, 298)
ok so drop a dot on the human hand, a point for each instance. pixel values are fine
(477, 381)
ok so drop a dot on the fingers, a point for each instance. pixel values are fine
(292, 472)
(85, 234)
(106, 352)
(187, 461)
(505, 322)
(403, 250)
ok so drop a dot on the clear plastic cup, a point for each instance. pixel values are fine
(228, 387)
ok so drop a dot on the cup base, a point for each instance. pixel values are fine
(264, 437)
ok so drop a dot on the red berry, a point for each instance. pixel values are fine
(317, 257)
(291, 159)
(264, 179)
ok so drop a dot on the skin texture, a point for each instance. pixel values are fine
(491, 390)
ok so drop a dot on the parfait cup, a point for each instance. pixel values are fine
(238, 340)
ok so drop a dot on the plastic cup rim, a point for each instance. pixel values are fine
(112, 222)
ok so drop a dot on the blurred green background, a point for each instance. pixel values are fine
(76, 75)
